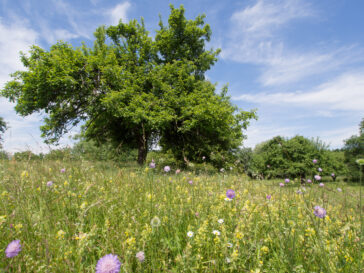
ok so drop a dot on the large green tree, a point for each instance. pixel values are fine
(132, 90)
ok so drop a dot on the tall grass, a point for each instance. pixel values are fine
(97, 208)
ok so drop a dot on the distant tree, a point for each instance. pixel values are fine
(292, 158)
(353, 150)
(134, 90)
(3, 128)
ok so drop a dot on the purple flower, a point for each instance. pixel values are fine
(321, 185)
(190, 182)
(314, 161)
(286, 180)
(281, 184)
(319, 212)
(333, 175)
(167, 169)
(309, 181)
(108, 264)
(230, 194)
(317, 177)
(49, 183)
(269, 196)
(63, 170)
(140, 256)
(13, 249)
(319, 169)
(152, 165)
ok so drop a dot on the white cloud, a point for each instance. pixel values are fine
(14, 38)
(119, 12)
(345, 92)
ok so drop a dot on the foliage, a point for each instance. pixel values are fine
(27, 156)
(91, 209)
(3, 128)
(354, 149)
(293, 158)
(132, 90)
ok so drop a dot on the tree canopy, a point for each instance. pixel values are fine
(132, 90)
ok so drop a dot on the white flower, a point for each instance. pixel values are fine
(339, 190)
(220, 221)
(227, 260)
(216, 232)
(190, 234)
(228, 199)
(229, 245)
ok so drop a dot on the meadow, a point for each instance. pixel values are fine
(67, 215)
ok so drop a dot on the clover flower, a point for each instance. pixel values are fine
(108, 264)
(13, 249)
(319, 212)
(190, 182)
(230, 194)
(152, 164)
(339, 190)
(140, 256)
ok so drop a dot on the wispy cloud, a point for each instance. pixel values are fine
(257, 37)
(345, 92)
(119, 12)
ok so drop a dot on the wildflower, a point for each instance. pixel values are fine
(231, 168)
(197, 214)
(299, 192)
(286, 180)
(13, 249)
(167, 169)
(204, 157)
(321, 185)
(319, 212)
(268, 166)
(190, 234)
(229, 245)
(333, 175)
(108, 264)
(178, 171)
(63, 170)
(319, 169)
(281, 184)
(140, 256)
(216, 232)
(309, 181)
(152, 164)
(49, 183)
(155, 222)
(265, 249)
(228, 199)
(190, 182)
(269, 196)
(317, 177)
(60, 234)
(222, 170)
(360, 161)
(230, 194)
(220, 221)
(314, 161)
(227, 260)
(339, 190)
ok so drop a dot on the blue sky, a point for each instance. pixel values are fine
(300, 63)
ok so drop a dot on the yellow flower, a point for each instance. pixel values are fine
(239, 235)
(65, 183)
(18, 227)
(83, 205)
(265, 249)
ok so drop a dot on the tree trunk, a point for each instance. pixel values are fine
(142, 147)
(142, 153)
